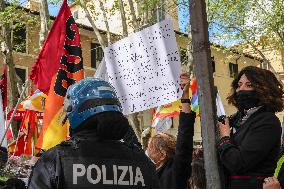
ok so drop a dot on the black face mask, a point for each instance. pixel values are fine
(246, 100)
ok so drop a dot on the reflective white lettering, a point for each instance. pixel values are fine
(131, 175)
(114, 174)
(105, 181)
(122, 175)
(76, 172)
(89, 174)
(139, 177)
(121, 180)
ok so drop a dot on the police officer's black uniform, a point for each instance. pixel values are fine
(86, 162)
(94, 158)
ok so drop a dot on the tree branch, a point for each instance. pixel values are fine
(106, 21)
(44, 19)
(132, 12)
(97, 32)
(123, 18)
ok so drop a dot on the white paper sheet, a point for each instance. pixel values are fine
(219, 106)
(145, 68)
(101, 72)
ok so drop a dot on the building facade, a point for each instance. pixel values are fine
(226, 64)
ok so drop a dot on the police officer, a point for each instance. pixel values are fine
(95, 157)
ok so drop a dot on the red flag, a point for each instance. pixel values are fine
(3, 87)
(25, 144)
(59, 65)
(64, 33)
(17, 147)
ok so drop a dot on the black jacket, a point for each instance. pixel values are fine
(250, 154)
(176, 171)
(87, 162)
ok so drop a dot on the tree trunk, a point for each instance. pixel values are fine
(123, 18)
(143, 12)
(206, 95)
(44, 22)
(161, 10)
(97, 32)
(106, 21)
(139, 12)
(189, 54)
(13, 78)
(133, 15)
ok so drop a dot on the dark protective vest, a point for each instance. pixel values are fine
(104, 165)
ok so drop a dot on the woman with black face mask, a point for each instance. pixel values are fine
(249, 152)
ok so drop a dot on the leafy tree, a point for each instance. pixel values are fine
(11, 19)
(257, 23)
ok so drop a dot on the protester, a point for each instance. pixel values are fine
(250, 149)
(3, 157)
(173, 157)
(94, 157)
(271, 183)
(197, 179)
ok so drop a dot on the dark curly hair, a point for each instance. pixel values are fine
(268, 89)
(160, 143)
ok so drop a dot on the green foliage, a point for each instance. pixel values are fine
(18, 19)
(114, 7)
(6, 173)
(259, 22)
(149, 4)
(14, 13)
(59, 2)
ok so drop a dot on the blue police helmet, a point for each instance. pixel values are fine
(89, 97)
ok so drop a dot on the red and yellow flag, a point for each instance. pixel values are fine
(25, 143)
(59, 65)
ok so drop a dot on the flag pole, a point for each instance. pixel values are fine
(14, 111)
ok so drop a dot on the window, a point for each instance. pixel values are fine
(21, 72)
(76, 15)
(233, 70)
(213, 64)
(264, 65)
(19, 37)
(97, 54)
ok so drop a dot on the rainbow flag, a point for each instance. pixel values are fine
(161, 121)
(194, 97)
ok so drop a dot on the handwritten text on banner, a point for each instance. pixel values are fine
(145, 68)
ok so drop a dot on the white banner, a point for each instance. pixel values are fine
(145, 68)
(101, 72)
